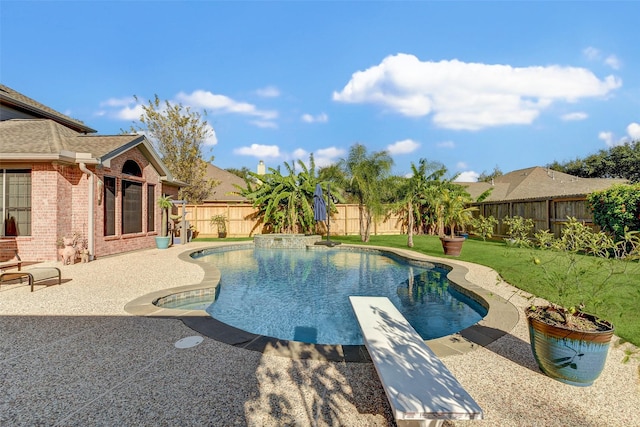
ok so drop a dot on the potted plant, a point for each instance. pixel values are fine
(165, 204)
(220, 221)
(568, 344)
(455, 211)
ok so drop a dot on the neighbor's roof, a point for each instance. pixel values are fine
(538, 183)
(224, 190)
(17, 101)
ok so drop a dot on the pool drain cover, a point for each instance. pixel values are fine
(189, 342)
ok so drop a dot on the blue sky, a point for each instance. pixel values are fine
(472, 85)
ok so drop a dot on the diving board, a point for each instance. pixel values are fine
(419, 387)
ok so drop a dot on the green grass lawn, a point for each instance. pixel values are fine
(619, 301)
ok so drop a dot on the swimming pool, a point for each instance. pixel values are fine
(302, 295)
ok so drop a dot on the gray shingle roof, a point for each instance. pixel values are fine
(28, 137)
(222, 192)
(23, 103)
(538, 183)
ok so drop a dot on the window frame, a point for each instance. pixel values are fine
(21, 203)
(110, 205)
(131, 195)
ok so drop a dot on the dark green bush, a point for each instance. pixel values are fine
(616, 208)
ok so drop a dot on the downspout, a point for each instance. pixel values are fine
(90, 221)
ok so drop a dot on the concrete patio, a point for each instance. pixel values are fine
(71, 355)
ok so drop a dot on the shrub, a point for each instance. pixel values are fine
(483, 226)
(519, 230)
(616, 208)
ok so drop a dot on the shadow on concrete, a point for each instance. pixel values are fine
(126, 370)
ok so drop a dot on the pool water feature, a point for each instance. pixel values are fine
(302, 295)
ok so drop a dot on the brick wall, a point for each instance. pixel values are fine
(60, 206)
(109, 245)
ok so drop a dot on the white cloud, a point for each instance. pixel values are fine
(320, 118)
(634, 131)
(268, 92)
(613, 62)
(121, 108)
(574, 116)
(446, 144)
(461, 165)
(300, 154)
(607, 137)
(468, 176)
(212, 138)
(470, 96)
(130, 113)
(328, 156)
(322, 157)
(264, 124)
(223, 104)
(633, 134)
(118, 102)
(592, 53)
(405, 146)
(259, 151)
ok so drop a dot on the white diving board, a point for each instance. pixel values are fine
(419, 387)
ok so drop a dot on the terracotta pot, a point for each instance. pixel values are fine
(568, 355)
(452, 245)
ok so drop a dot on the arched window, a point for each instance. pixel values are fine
(131, 168)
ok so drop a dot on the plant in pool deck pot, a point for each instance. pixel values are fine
(165, 204)
(454, 211)
(569, 344)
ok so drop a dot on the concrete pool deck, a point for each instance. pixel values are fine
(72, 355)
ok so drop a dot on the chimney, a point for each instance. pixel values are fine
(261, 168)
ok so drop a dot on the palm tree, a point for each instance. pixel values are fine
(165, 204)
(455, 208)
(412, 193)
(365, 174)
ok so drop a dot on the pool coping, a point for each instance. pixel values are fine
(501, 318)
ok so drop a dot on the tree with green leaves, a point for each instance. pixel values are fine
(365, 174)
(284, 203)
(178, 134)
(620, 161)
(489, 177)
(242, 172)
(412, 196)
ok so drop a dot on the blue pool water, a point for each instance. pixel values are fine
(302, 295)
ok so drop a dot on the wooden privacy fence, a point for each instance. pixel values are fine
(548, 214)
(344, 222)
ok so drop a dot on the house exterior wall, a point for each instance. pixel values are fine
(52, 210)
(60, 207)
(109, 245)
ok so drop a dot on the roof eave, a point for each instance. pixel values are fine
(63, 157)
(75, 125)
